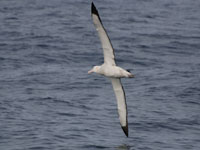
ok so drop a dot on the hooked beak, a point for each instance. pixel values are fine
(90, 71)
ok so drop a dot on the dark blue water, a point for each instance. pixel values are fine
(49, 102)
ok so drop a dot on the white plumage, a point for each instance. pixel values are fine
(109, 69)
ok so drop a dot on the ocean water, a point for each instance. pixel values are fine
(49, 102)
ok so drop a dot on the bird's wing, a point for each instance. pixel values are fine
(121, 103)
(108, 51)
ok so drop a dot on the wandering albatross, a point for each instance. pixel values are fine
(110, 70)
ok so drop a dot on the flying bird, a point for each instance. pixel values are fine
(111, 70)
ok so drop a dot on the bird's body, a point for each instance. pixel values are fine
(110, 70)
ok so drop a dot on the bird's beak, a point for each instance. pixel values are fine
(90, 71)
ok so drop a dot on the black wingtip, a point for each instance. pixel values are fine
(94, 10)
(125, 129)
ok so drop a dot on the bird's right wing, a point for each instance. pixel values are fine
(121, 103)
(105, 41)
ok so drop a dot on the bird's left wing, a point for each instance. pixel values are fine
(105, 41)
(121, 103)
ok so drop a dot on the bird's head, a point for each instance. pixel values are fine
(94, 69)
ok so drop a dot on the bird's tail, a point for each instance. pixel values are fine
(131, 75)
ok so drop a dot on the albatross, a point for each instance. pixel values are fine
(111, 70)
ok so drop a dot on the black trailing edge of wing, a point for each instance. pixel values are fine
(125, 128)
(95, 11)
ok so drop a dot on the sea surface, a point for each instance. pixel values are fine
(49, 102)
